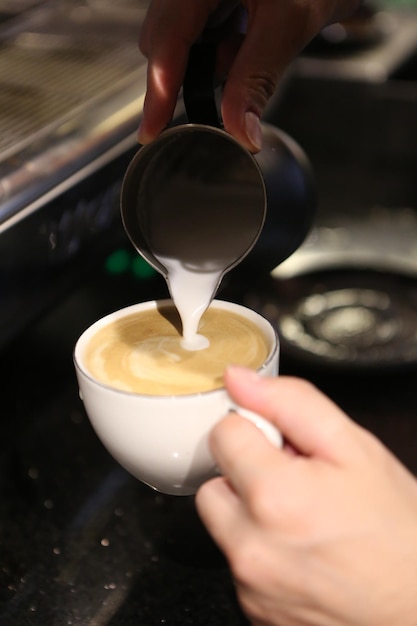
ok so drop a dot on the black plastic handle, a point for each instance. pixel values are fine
(199, 85)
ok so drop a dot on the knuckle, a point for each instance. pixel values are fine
(262, 503)
(262, 87)
(252, 607)
(243, 562)
(372, 447)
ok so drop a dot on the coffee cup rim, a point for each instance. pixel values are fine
(152, 304)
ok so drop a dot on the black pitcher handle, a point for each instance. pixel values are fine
(199, 85)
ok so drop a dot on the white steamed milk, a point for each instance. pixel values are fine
(191, 292)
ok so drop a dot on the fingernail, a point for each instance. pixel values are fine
(253, 129)
(141, 135)
(237, 371)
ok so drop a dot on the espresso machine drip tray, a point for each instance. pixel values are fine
(345, 318)
(348, 296)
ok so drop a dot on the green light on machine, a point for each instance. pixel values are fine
(122, 261)
(141, 268)
(118, 262)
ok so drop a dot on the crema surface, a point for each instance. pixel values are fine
(142, 352)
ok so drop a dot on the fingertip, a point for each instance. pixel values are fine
(143, 136)
(246, 129)
(240, 373)
(151, 123)
(253, 131)
(243, 384)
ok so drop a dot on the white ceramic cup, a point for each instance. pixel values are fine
(163, 440)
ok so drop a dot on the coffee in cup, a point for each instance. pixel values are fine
(152, 402)
(143, 352)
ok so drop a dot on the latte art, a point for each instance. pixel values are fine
(143, 352)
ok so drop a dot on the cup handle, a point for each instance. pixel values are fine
(270, 431)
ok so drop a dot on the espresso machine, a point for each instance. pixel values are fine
(72, 87)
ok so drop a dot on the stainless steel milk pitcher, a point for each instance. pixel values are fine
(195, 194)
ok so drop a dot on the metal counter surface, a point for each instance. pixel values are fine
(82, 542)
